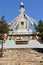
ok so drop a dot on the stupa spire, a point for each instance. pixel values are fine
(22, 8)
(22, 5)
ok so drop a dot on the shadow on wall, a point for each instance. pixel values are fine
(39, 50)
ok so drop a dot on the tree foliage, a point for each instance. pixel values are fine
(39, 28)
(3, 26)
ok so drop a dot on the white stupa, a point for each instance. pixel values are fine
(20, 32)
(21, 24)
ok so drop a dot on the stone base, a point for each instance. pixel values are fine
(21, 57)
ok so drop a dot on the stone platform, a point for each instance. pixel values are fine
(21, 57)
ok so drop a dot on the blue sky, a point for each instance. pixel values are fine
(10, 9)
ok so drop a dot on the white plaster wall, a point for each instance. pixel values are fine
(22, 26)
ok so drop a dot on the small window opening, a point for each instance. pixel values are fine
(22, 23)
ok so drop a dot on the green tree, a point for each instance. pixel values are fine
(39, 28)
(4, 28)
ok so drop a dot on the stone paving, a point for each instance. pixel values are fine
(21, 57)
